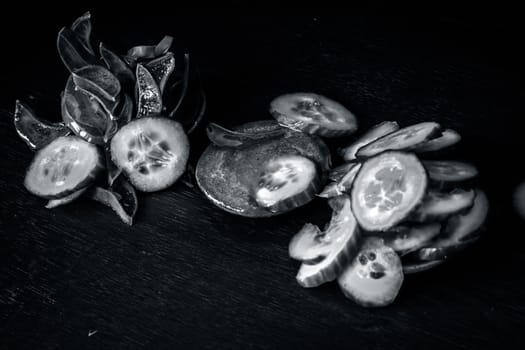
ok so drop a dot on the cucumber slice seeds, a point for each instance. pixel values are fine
(64, 166)
(287, 182)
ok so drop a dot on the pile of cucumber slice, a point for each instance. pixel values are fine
(402, 214)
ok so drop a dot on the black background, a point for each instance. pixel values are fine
(188, 275)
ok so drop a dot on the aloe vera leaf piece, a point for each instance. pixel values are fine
(163, 46)
(84, 114)
(149, 99)
(82, 27)
(72, 52)
(117, 66)
(36, 132)
(99, 81)
(161, 69)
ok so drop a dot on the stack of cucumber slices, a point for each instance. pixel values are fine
(266, 168)
(394, 213)
(126, 116)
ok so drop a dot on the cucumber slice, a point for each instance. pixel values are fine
(53, 203)
(382, 129)
(416, 267)
(406, 239)
(460, 231)
(449, 170)
(448, 138)
(439, 205)
(151, 151)
(36, 132)
(374, 277)
(63, 167)
(313, 114)
(404, 139)
(518, 200)
(387, 189)
(309, 244)
(286, 182)
(335, 249)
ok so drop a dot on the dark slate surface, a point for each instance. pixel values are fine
(188, 275)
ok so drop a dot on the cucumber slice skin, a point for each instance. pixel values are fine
(417, 173)
(314, 273)
(53, 203)
(305, 245)
(349, 153)
(299, 199)
(304, 196)
(460, 231)
(290, 119)
(90, 177)
(390, 142)
(452, 203)
(449, 170)
(416, 267)
(448, 138)
(411, 238)
(444, 252)
(354, 284)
